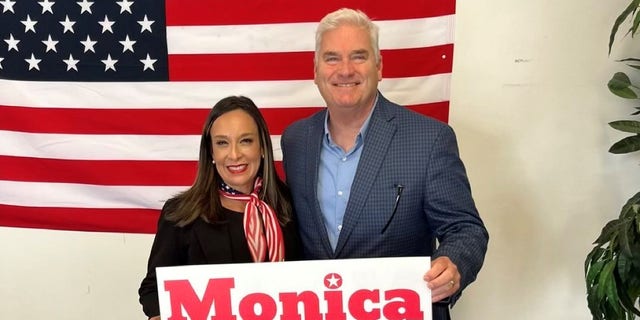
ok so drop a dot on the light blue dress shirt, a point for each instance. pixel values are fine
(335, 176)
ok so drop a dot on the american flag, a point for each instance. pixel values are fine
(102, 102)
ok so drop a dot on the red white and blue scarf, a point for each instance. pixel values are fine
(257, 214)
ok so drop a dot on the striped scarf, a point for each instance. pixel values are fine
(256, 214)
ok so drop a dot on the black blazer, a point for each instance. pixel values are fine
(197, 243)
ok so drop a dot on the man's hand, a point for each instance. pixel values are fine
(443, 278)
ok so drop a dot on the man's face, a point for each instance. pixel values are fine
(346, 72)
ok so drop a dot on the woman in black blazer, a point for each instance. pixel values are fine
(237, 210)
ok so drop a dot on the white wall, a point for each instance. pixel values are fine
(530, 108)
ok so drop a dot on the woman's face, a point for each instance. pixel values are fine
(235, 143)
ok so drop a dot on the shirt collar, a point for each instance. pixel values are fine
(363, 129)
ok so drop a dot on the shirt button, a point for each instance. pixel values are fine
(344, 159)
(340, 193)
(340, 227)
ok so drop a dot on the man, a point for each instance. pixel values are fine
(370, 178)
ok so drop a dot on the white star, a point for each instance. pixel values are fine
(68, 24)
(8, 6)
(51, 44)
(106, 24)
(85, 6)
(1, 58)
(71, 63)
(333, 281)
(109, 63)
(46, 6)
(88, 44)
(33, 62)
(29, 25)
(125, 6)
(148, 63)
(127, 44)
(146, 24)
(12, 43)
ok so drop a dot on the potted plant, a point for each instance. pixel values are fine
(612, 268)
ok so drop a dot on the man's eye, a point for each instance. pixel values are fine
(360, 57)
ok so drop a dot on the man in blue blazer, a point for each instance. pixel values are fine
(370, 178)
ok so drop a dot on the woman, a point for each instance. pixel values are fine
(237, 210)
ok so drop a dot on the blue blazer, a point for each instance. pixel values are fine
(435, 215)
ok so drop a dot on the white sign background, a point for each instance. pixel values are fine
(298, 276)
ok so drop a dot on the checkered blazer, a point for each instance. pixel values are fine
(401, 147)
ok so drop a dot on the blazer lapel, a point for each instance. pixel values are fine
(213, 241)
(378, 137)
(313, 163)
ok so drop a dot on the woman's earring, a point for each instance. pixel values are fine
(213, 161)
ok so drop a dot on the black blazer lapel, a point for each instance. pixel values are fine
(213, 241)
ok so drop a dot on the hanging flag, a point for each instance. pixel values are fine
(102, 102)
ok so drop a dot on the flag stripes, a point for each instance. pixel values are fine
(104, 156)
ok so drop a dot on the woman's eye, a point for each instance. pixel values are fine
(247, 141)
(220, 143)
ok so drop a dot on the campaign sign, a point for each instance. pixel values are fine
(375, 288)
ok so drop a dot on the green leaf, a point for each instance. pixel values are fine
(626, 126)
(626, 145)
(593, 256)
(594, 273)
(636, 22)
(608, 233)
(620, 85)
(623, 16)
(629, 59)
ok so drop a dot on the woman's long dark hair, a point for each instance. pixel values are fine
(202, 198)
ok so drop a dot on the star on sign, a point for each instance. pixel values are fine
(109, 63)
(7, 6)
(1, 58)
(71, 63)
(33, 62)
(145, 23)
(148, 63)
(127, 44)
(88, 44)
(51, 44)
(46, 6)
(125, 6)
(85, 6)
(29, 25)
(67, 24)
(333, 281)
(12, 43)
(106, 24)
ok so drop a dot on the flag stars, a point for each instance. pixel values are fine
(7, 5)
(12, 43)
(145, 24)
(148, 63)
(67, 24)
(106, 24)
(51, 44)
(127, 44)
(33, 62)
(29, 25)
(71, 63)
(85, 6)
(46, 6)
(1, 58)
(109, 63)
(125, 6)
(88, 45)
